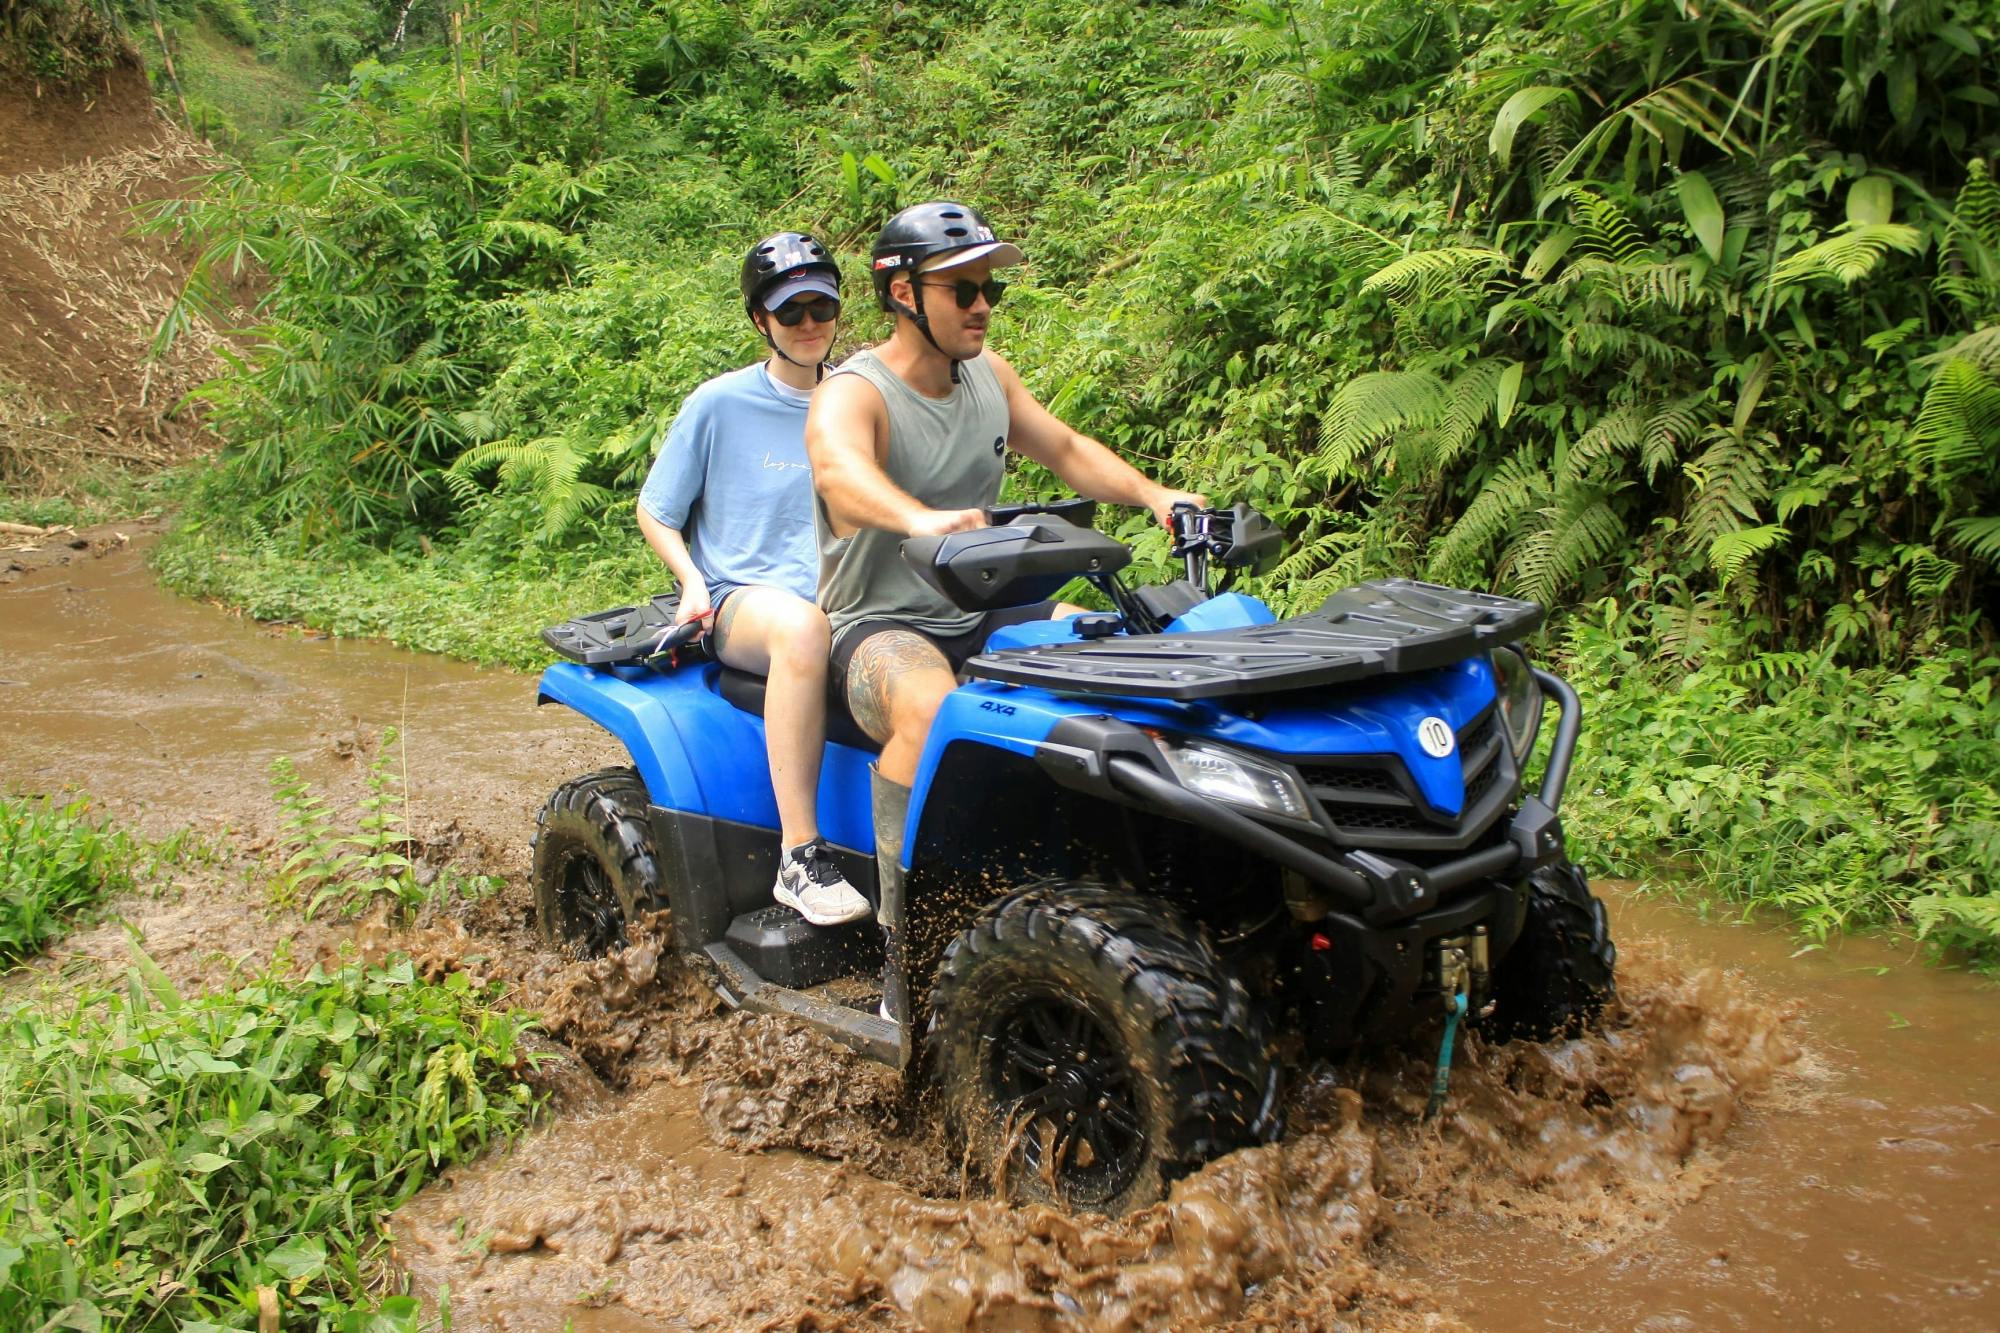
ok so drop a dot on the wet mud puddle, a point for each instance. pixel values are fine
(1759, 1138)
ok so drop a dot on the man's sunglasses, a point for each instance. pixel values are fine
(793, 313)
(965, 291)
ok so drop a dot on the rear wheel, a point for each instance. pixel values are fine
(595, 869)
(1092, 1048)
(1557, 978)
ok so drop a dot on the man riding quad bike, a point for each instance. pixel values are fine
(1141, 845)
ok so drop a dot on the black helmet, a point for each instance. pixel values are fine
(923, 232)
(785, 257)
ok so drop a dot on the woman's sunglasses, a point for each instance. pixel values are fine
(965, 291)
(793, 313)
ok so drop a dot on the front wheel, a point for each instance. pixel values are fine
(595, 868)
(1557, 977)
(1092, 1048)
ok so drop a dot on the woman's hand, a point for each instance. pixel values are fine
(694, 603)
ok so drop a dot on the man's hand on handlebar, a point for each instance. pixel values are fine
(1163, 502)
(938, 522)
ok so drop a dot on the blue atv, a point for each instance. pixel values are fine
(1146, 849)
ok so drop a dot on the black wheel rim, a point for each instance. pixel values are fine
(1066, 1096)
(592, 920)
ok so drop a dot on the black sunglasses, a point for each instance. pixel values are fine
(793, 313)
(965, 291)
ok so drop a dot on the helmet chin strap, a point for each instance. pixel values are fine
(923, 323)
(818, 368)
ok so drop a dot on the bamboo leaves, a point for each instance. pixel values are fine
(1517, 111)
(1703, 211)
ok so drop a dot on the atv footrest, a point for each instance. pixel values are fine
(784, 948)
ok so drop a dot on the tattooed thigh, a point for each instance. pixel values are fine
(883, 663)
(725, 619)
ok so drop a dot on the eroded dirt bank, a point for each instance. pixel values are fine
(1757, 1139)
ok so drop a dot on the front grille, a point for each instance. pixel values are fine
(1373, 818)
(1346, 780)
(1371, 800)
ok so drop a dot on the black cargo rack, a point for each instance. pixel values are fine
(1382, 628)
(626, 634)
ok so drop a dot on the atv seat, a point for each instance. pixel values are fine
(745, 689)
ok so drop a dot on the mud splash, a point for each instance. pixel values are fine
(1597, 1138)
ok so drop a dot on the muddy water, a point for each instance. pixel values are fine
(1757, 1138)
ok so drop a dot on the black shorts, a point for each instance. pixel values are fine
(958, 649)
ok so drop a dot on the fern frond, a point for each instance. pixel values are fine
(1979, 536)
(1959, 422)
(1981, 347)
(1969, 257)
(1580, 529)
(549, 468)
(1370, 407)
(1427, 269)
(1603, 229)
(1668, 431)
(1732, 477)
(1517, 488)
(1616, 433)
(1474, 398)
(1664, 284)
(1592, 340)
(1925, 572)
(1729, 552)
(1849, 254)
(1358, 246)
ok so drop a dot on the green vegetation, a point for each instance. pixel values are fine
(1691, 308)
(324, 866)
(482, 601)
(56, 862)
(56, 41)
(163, 1156)
(91, 495)
(1846, 796)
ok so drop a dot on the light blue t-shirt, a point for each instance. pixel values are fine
(733, 479)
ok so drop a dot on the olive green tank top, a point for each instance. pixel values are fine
(945, 452)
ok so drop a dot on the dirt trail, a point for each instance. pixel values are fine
(1759, 1137)
(80, 293)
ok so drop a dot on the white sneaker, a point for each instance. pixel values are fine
(810, 883)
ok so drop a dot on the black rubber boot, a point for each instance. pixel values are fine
(892, 811)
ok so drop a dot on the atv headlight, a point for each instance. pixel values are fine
(1520, 699)
(1233, 776)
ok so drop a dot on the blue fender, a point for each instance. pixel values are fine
(699, 753)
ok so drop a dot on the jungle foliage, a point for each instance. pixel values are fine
(1691, 307)
(164, 1157)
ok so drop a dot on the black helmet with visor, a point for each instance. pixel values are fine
(781, 267)
(942, 233)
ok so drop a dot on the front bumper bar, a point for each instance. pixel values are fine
(1380, 888)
